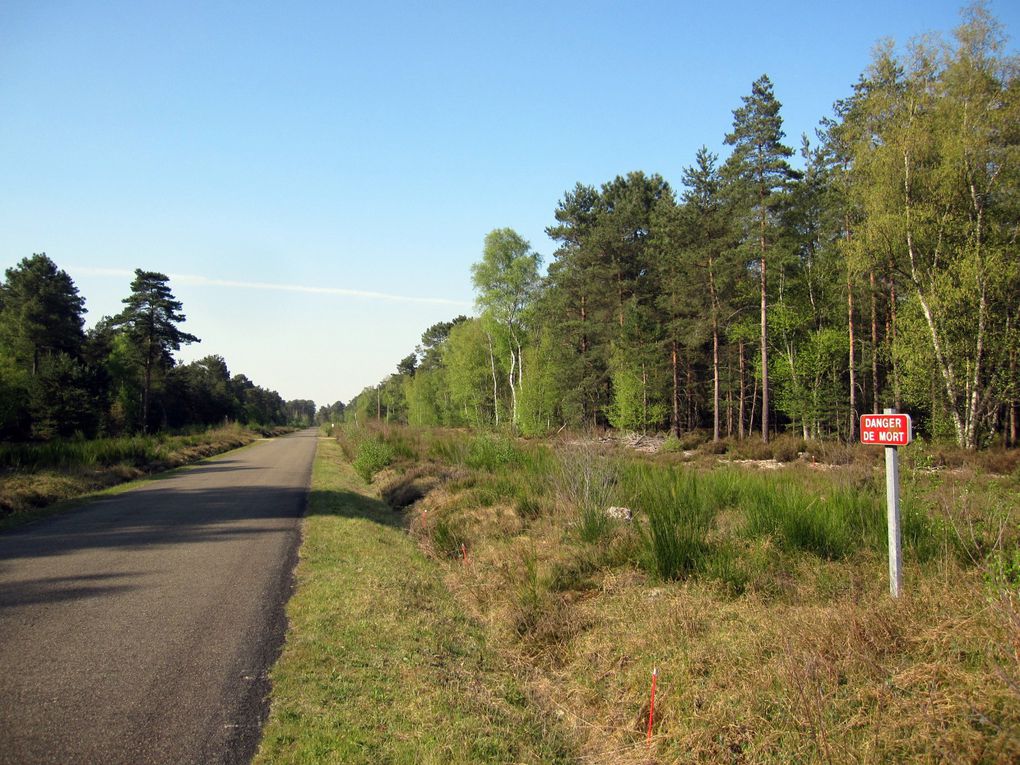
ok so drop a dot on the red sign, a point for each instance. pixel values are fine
(886, 429)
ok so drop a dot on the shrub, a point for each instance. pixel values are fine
(671, 445)
(490, 453)
(585, 478)
(717, 447)
(787, 448)
(752, 448)
(686, 442)
(372, 457)
(998, 461)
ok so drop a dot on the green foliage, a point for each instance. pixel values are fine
(538, 400)
(492, 453)
(149, 322)
(138, 451)
(41, 313)
(57, 381)
(371, 457)
(1003, 570)
(469, 376)
(631, 409)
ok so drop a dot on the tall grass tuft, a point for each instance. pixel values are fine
(832, 526)
(680, 514)
(585, 481)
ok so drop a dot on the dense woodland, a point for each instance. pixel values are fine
(119, 377)
(766, 293)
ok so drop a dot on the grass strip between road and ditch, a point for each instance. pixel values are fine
(380, 664)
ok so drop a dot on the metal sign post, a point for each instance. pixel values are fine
(892, 501)
(890, 430)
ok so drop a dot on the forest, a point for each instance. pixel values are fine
(58, 380)
(772, 290)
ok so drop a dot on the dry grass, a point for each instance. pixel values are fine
(813, 662)
(26, 493)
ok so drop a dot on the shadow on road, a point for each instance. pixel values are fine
(62, 588)
(157, 517)
(220, 466)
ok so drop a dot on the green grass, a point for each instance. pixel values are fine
(680, 514)
(833, 525)
(761, 596)
(380, 664)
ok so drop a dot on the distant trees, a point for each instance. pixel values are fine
(57, 380)
(882, 272)
(300, 413)
(331, 413)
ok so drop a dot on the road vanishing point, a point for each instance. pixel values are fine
(140, 627)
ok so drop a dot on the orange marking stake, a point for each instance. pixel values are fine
(651, 707)
(463, 553)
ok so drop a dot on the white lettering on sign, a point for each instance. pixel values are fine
(886, 429)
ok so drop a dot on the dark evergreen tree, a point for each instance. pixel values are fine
(757, 170)
(41, 313)
(150, 323)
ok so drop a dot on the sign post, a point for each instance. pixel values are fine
(890, 430)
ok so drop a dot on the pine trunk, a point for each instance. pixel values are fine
(743, 390)
(677, 429)
(764, 333)
(874, 343)
(853, 376)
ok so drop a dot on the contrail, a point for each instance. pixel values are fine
(204, 281)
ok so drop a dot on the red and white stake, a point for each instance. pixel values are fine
(651, 706)
(463, 553)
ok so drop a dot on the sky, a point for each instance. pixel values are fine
(316, 178)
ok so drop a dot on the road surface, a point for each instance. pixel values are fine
(140, 628)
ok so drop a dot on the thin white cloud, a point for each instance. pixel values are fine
(203, 281)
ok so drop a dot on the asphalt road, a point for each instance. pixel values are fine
(140, 627)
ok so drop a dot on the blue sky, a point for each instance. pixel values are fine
(317, 177)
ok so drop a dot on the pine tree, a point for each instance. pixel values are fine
(41, 312)
(758, 170)
(150, 323)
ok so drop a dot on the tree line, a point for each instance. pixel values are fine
(757, 297)
(120, 376)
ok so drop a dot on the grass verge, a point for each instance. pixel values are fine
(760, 596)
(37, 480)
(380, 664)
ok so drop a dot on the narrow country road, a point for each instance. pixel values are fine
(139, 628)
